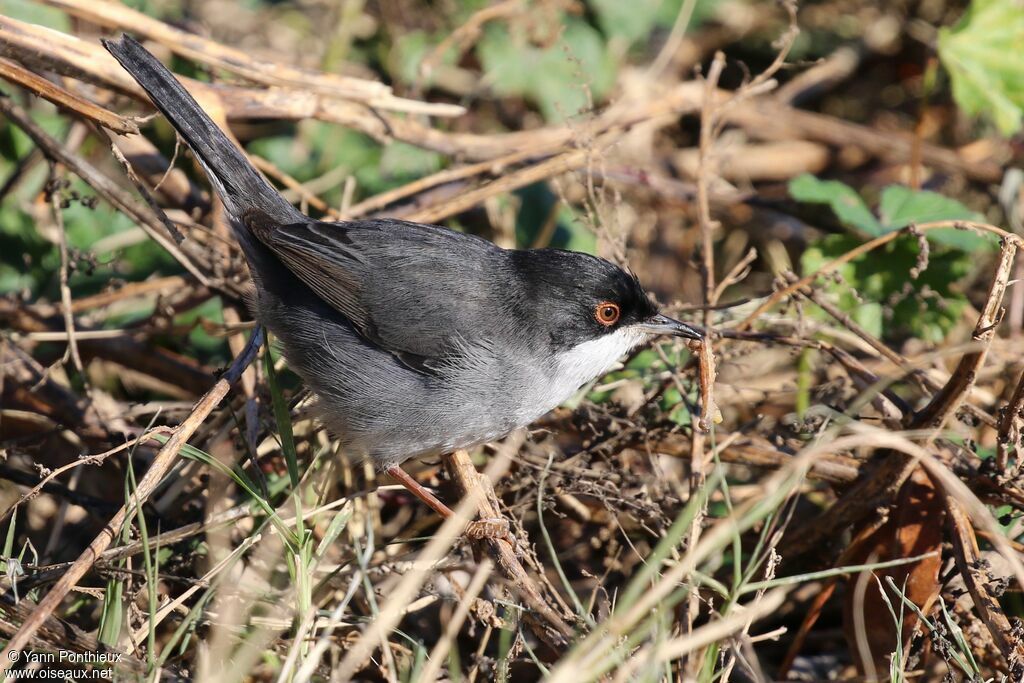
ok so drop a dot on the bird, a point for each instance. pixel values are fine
(415, 340)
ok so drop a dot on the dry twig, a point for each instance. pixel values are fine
(162, 462)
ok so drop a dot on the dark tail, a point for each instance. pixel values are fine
(237, 181)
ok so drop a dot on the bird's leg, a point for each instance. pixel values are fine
(418, 490)
(482, 528)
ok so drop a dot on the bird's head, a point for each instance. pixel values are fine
(593, 311)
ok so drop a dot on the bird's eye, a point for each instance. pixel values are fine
(607, 313)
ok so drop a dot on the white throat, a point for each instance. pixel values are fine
(591, 359)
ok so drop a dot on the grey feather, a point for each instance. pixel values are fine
(415, 339)
(392, 280)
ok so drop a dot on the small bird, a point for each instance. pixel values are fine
(416, 340)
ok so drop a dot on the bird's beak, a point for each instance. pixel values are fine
(662, 324)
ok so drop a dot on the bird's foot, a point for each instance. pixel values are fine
(490, 528)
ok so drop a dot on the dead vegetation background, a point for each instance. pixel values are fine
(833, 188)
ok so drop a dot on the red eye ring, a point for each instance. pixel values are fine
(607, 313)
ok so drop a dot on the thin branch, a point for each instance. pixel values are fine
(107, 188)
(36, 84)
(551, 627)
(205, 51)
(969, 564)
(162, 462)
(865, 248)
(880, 480)
(1010, 429)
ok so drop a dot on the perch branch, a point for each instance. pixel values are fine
(550, 627)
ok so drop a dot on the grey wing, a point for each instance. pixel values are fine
(418, 291)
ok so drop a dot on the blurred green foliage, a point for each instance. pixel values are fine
(35, 13)
(877, 289)
(983, 54)
(562, 79)
(651, 367)
(898, 207)
(564, 67)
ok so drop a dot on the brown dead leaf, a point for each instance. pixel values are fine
(915, 527)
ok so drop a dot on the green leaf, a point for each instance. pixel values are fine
(284, 422)
(645, 360)
(570, 232)
(629, 21)
(634, 21)
(583, 50)
(320, 149)
(334, 529)
(244, 482)
(882, 303)
(983, 56)
(409, 52)
(843, 200)
(869, 316)
(703, 11)
(507, 64)
(112, 615)
(35, 13)
(901, 206)
(680, 415)
(211, 310)
(405, 161)
(557, 77)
